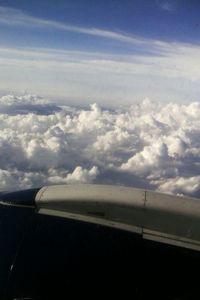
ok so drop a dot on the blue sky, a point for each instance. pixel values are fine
(177, 20)
(104, 51)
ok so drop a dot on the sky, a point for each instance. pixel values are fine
(111, 52)
(100, 92)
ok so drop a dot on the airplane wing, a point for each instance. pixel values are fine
(57, 240)
(160, 217)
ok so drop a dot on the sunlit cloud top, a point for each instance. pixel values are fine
(148, 145)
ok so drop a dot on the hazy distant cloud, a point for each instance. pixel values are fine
(171, 74)
(15, 17)
(149, 144)
(166, 5)
(29, 100)
(26, 104)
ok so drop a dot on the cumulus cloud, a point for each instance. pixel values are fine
(149, 145)
(180, 185)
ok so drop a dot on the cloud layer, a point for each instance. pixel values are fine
(149, 145)
(171, 74)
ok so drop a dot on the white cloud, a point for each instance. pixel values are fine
(149, 145)
(151, 158)
(180, 185)
(12, 100)
(15, 17)
(81, 175)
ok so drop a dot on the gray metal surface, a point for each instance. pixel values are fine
(160, 217)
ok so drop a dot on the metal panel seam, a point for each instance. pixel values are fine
(144, 209)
